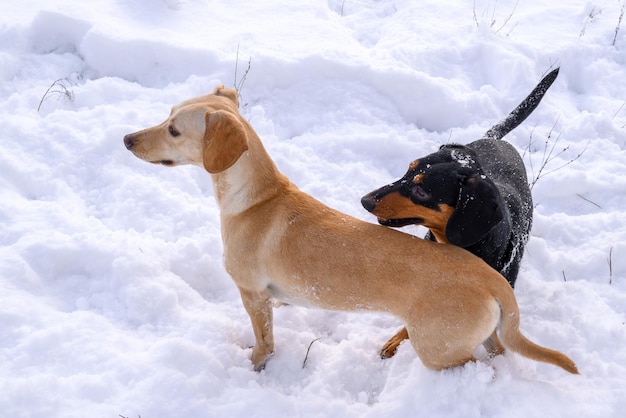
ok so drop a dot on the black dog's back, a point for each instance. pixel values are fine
(503, 165)
(503, 248)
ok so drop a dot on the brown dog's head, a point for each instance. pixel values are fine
(446, 192)
(204, 131)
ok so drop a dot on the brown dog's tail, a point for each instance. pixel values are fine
(515, 341)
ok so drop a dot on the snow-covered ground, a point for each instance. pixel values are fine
(113, 297)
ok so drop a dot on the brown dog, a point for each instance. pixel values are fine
(281, 243)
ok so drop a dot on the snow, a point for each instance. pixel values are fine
(114, 301)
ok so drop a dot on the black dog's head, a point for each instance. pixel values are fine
(447, 192)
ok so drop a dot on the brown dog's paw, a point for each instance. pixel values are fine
(391, 346)
(493, 345)
(260, 362)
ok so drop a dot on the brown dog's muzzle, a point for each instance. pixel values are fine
(129, 141)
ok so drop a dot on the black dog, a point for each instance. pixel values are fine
(475, 196)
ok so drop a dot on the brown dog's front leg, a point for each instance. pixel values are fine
(259, 308)
(390, 348)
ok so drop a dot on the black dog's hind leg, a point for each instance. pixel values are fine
(524, 109)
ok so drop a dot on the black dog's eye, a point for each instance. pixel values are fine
(419, 193)
(173, 131)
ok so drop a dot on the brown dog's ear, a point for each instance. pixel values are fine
(478, 210)
(228, 93)
(225, 140)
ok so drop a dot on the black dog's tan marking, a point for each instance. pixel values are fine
(475, 196)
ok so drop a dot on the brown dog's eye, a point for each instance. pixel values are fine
(173, 131)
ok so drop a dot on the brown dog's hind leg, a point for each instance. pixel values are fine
(493, 345)
(391, 346)
(437, 353)
(259, 308)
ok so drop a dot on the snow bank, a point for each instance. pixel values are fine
(113, 296)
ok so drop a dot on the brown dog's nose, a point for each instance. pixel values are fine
(129, 141)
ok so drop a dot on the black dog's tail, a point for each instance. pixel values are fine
(523, 110)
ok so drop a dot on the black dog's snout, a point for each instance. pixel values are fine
(369, 202)
(129, 141)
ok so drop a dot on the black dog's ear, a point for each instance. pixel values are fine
(478, 210)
